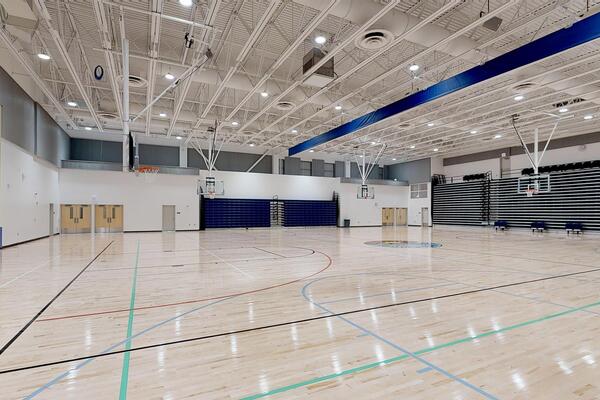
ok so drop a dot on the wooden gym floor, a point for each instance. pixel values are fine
(301, 313)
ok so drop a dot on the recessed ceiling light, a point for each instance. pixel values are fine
(361, 156)
(373, 143)
(178, 137)
(412, 146)
(320, 39)
(251, 144)
(234, 123)
(338, 107)
(414, 67)
(294, 130)
(186, 3)
(393, 159)
(43, 56)
(87, 128)
(264, 94)
(588, 117)
(473, 131)
(563, 110)
(430, 124)
(436, 149)
(311, 151)
(71, 104)
(519, 97)
(498, 136)
(169, 76)
(162, 115)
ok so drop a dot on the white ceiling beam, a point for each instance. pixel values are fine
(60, 45)
(19, 54)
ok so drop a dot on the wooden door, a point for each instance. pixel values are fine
(387, 216)
(84, 218)
(68, 218)
(401, 216)
(424, 216)
(101, 213)
(116, 218)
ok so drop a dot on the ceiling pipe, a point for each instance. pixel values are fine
(211, 16)
(102, 23)
(155, 25)
(307, 31)
(374, 18)
(364, 63)
(241, 58)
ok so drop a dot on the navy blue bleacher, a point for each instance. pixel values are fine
(237, 213)
(538, 226)
(309, 213)
(501, 224)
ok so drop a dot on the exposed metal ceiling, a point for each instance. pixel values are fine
(258, 46)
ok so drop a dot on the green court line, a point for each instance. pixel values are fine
(126, 355)
(365, 367)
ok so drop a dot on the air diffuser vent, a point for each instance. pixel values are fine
(374, 39)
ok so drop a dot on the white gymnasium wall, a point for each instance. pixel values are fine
(415, 208)
(588, 152)
(475, 167)
(365, 212)
(28, 186)
(142, 199)
(243, 185)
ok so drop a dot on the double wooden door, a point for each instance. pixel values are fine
(75, 218)
(109, 218)
(394, 216)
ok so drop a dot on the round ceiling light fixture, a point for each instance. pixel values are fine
(519, 97)
(264, 94)
(414, 68)
(71, 104)
(563, 110)
(169, 76)
(320, 39)
(588, 117)
(87, 128)
(43, 56)
(234, 123)
(186, 3)
(338, 107)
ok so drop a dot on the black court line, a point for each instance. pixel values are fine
(36, 316)
(270, 252)
(299, 321)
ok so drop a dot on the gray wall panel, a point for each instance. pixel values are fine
(151, 154)
(232, 161)
(417, 171)
(51, 142)
(18, 114)
(96, 150)
(318, 168)
(339, 169)
(292, 166)
(376, 173)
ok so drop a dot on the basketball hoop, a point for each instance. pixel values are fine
(148, 172)
(530, 192)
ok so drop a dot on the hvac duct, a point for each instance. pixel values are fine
(396, 22)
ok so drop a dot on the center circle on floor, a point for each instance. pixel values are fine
(404, 244)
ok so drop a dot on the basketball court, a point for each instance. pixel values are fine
(299, 199)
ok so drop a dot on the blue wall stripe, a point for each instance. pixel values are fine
(579, 33)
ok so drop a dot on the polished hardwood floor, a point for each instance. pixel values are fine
(302, 313)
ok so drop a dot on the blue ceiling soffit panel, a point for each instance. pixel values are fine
(579, 33)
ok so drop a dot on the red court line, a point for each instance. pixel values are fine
(330, 261)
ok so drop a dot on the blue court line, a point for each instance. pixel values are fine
(423, 370)
(386, 293)
(113, 347)
(397, 347)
